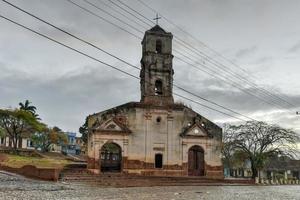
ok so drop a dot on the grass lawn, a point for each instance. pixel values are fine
(17, 161)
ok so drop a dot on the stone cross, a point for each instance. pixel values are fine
(157, 18)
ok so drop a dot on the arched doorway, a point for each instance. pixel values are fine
(110, 158)
(196, 161)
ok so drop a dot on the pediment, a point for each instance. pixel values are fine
(195, 131)
(111, 125)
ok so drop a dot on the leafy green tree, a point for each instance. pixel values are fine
(84, 131)
(258, 141)
(17, 122)
(30, 108)
(2, 132)
(44, 140)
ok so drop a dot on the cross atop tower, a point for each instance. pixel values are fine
(157, 18)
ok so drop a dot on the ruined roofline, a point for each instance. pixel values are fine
(132, 104)
(135, 104)
(125, 105)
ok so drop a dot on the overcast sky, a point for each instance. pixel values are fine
(261, 36)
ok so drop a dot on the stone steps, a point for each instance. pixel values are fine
(119, 180)
(122, 180)
(70, 178)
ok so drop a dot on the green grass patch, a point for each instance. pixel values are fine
(18, 161)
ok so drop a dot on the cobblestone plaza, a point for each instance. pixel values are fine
(17, 187)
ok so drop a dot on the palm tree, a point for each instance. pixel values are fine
(29, 108)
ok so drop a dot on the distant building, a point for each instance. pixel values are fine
(281, 168)
(276, 168)
(56, 148)
(24, 143)
(71, 148)
(81, 144)
(241, 170)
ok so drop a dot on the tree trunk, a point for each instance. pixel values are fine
(254, 171)
(15, 145)
(19, 142)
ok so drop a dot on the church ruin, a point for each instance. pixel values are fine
(156, 136)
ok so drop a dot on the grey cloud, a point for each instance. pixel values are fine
(263, 60)
(66, 87)
(295, 48)
(245, 52)
(67, 100)
(238, 100)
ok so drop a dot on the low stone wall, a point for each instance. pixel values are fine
(277, 181)
(240, 181)
(34, 172)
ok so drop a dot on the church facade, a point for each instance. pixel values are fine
(156, 136)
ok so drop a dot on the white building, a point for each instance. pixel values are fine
(155, 136)
(24, 143)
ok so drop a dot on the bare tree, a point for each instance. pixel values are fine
(227, 148)
(259, 141)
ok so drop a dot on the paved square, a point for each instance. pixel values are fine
(17, 187)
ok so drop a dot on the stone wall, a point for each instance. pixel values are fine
(34, 172)
(149, 136)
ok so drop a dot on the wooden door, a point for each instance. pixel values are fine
(196, 161)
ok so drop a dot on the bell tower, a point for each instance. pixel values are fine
(157, 70)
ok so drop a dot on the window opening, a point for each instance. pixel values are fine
(158, 46)
(158, 87)
(158, 160)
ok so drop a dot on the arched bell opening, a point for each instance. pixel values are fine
(158, 46)
(158, 87)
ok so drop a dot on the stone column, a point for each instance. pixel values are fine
(272, 175)
(125, 148)
(97, 147)
(285, 175)
(256, 180)
(184, 152)
(148, 138)
(125, 154)
(170, 141)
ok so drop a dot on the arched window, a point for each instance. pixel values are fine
(158, 87)
(158, 160)
(158, 47)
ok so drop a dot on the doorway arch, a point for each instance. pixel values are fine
(111, 158)
(196, 164)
